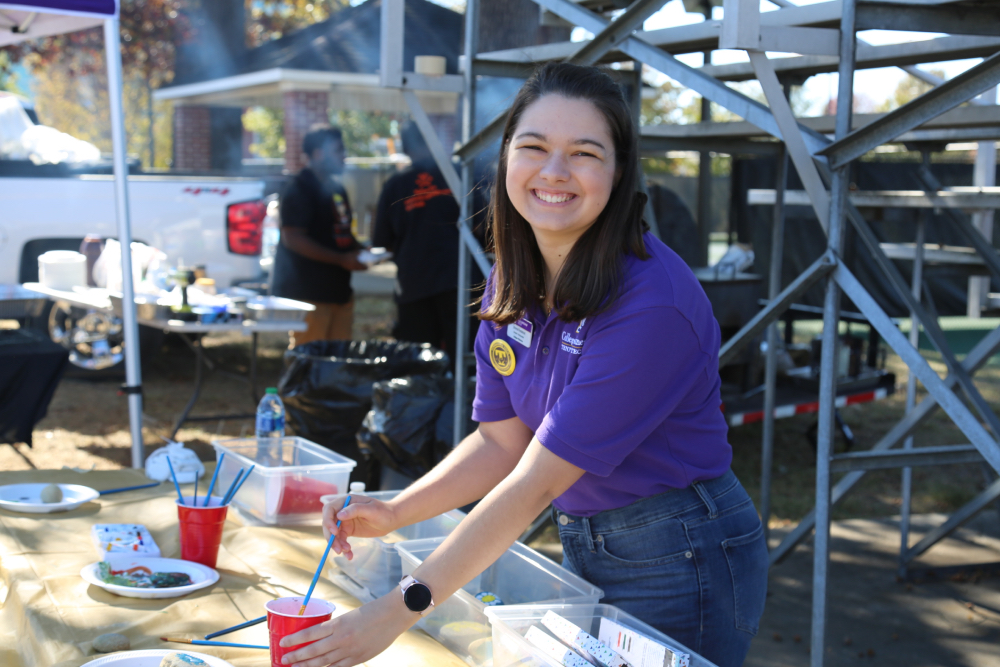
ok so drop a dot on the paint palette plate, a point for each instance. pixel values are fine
(150, 658)
(202, 576)
(27, 498)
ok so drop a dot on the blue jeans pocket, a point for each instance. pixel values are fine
(747, 558)
(660, 543)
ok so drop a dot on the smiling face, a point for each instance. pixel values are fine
(560, 167)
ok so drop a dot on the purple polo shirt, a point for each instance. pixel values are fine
(631, 395)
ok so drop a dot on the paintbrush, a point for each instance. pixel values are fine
(202, 642)
(177, 486)
(322, 562)
(129, 488)
(215, 475)
(226, 631)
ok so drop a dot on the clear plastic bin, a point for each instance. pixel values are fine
(291, 475)
(376, 566)
(510, 624)
(520, 576)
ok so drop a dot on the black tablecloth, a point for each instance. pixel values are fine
(30, 369)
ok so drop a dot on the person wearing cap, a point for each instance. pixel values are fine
(597, 390)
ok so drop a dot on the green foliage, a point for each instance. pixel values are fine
(908, 89)
(270, 19)
(77, 104)
(70, 79)
(663, 108)
(361, 128)
(8, 79)
(267, 125)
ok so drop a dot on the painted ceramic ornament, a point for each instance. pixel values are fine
(489, 599)
(182, 660)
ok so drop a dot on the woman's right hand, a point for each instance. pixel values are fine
(364, 517)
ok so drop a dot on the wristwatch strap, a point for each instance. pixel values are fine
(408, 581)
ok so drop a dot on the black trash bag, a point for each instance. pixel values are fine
(327, 389)
(401, 429)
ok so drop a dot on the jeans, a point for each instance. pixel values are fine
(690, 562)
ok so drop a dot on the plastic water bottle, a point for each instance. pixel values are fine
(270, 415)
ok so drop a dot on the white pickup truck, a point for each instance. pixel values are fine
(203, 220)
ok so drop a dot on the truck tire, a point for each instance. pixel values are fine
(94, 340)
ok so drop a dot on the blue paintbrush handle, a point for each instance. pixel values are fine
(322, 562)
(201, 642)
(180, 496)
(129, 488)
(242, 482)
(248, 624)
(232, 487)
(215, 476)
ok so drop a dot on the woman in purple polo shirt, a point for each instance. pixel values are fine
(597, 390)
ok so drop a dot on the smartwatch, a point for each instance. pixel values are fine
(416, 595)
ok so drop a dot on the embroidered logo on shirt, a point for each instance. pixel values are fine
(502, 357)
(424, 191)
(571, 344)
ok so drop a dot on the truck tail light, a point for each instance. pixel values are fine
(244, 226)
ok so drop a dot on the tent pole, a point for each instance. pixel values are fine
(133, 374)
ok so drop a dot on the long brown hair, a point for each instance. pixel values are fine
(591, 277)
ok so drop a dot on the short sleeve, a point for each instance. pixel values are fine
(294, 208)
(633, 373)
(492, 402)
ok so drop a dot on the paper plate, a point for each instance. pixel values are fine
(27, 498)
(201, 576)
(150, 658)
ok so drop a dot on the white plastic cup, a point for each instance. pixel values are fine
(62, 269)
(430, 65)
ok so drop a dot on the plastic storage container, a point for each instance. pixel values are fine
(376, 565)
(290, 476)
(520, 576)
(509, 647)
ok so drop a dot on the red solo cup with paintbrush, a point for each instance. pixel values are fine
(283, 619)
(201, 529)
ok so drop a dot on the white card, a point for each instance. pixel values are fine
(520, 332)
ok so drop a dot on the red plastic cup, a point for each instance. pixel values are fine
(201, 529)
(301, 495)
(283, 619)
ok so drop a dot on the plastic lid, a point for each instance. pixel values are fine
(357, 487)
(271, 390)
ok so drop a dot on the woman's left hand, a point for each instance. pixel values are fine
(354, 637)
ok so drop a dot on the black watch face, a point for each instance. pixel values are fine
(417, 597)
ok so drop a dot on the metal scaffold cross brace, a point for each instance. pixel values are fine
(824, 36)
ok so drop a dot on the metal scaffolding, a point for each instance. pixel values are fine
(824, 37)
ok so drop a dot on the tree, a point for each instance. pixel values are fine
(908, 89)
(150, 32)
(78, 105)
(271, 19)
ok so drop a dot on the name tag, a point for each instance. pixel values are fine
(520, 332)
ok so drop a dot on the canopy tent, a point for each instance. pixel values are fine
(31, 19)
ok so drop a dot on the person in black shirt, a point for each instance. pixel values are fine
(317, 253)
(416, 220)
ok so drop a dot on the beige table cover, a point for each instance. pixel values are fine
(49, 615)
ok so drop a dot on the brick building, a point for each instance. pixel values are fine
(326, 66)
